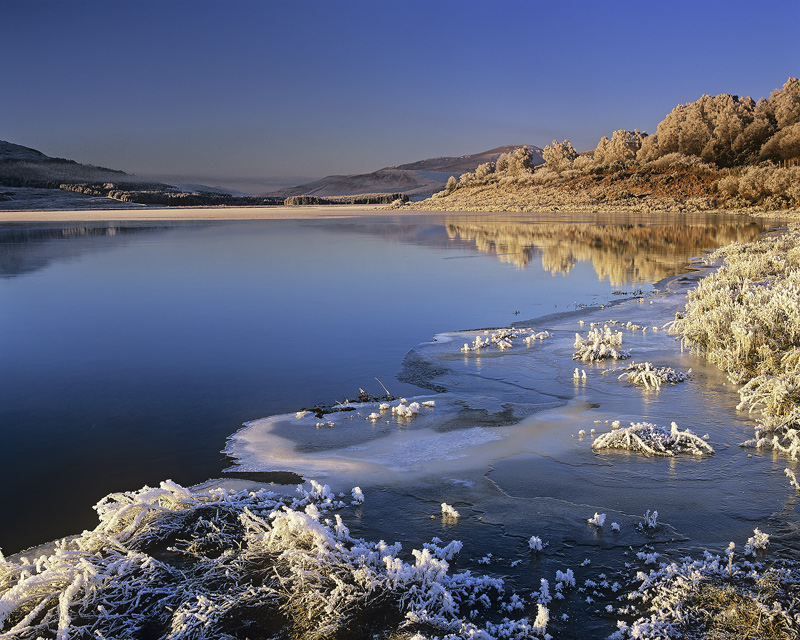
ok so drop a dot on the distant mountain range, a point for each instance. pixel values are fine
(417, 180)
(25, 167)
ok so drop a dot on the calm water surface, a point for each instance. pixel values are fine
(130, 352)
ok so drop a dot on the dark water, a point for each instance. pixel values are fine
(128, 353)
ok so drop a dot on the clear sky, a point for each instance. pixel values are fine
(217, 90)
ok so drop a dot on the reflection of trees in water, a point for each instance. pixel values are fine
(624, 253)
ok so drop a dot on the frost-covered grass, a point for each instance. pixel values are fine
(650, 439)
(504, 339)
(599, 345)
(168, 563)
(745, 318)
(713, 597)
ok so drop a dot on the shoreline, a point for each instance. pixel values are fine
(321, 212)
(191, 214)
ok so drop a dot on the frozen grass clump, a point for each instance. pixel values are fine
(168, 563)
(598, 519)
(652, 377)
(792, 478)
(745, 319)
(599, 345)
(535, 543)
(652, 440)
(448, 512)
(404, 410)
(504, 339)
(713, 597)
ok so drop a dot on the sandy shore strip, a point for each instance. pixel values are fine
(146, 214)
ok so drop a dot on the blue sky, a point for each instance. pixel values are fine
(302, 89)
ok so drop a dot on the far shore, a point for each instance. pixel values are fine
(146, 214)
(308, 212)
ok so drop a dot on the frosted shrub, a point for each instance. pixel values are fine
(583, 162)
(675, 160)
(559, 156)
(515, 163)
(623, 147)
(545, 175)
(729, 185)
(652, 440)
(651, 377)
(599, 345)
(753, 184)
(484, 170)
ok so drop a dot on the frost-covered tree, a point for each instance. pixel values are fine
(559, 156)
(708, 128)
(784, 145)
(728, 130)
(785, 103)
(623, 147)
(515, 163)
(484, 170)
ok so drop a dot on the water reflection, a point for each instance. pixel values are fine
(25, 249)
(625, 251)
(141, 347)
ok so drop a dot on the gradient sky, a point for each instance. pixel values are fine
(217, 91)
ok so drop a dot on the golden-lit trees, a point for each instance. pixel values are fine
(623, 147)
(559, 156)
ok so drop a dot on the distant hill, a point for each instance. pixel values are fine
(18, 153)
(416, 179)
(33, 176)
(25, 167)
